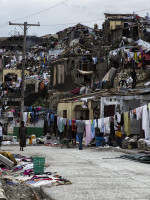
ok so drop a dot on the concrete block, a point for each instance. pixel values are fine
(5, 161)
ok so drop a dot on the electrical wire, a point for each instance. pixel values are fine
(142, 10)
(6, 23)
(65, 23)
(41, 11)
(3, 24)
(72, 23)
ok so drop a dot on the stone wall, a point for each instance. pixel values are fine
(142, 75)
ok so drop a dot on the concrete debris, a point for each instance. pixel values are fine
(5, 161)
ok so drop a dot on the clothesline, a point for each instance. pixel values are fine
(103, 124)
(132, 111)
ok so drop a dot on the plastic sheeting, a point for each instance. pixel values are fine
(140, 157)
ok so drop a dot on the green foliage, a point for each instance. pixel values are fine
(95, 26)
(40, 102)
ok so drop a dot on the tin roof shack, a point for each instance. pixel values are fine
(74, 32)
(117, 26)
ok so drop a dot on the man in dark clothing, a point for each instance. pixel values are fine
(134, 77)
(112, 134)
(22, 135)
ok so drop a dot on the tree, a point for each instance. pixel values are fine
(95, 26)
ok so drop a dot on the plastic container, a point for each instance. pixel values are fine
(14, 139)
(34, 141)
(31, 138)
(38, 165)
(99, 141)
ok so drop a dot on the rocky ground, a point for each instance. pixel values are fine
(20, 191)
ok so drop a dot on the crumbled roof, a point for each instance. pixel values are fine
(109, 93)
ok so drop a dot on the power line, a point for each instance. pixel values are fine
(6, 23)
(67, 23)
(41, 11)
(73, 23)
(142, 10)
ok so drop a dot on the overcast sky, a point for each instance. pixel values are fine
(72, 11)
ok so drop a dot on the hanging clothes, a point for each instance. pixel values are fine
(29, 117)
(135, 56)
(131, 114)
(70, 122)
(65, 121)
(145, 122)
(102, 126)
(52, 117)
(92, 129)
(118, 117)
(98, 123)
(107, 125)
(61, 125)
(88, 132)
(127, 123)
(25, 117)
(58, 122)
(48, 119)
(94, 60)
(149, 108)
(139, 111)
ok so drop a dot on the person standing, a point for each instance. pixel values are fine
(22, 135)
(119, 136)
(112, 134)
(134, 77)
(80, 131)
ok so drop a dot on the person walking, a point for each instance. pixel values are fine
(80, 131)
(119, 136)
(22, 136)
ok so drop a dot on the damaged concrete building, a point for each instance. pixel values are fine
(117, 26)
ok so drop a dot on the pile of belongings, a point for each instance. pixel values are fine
(40, 140)
(143, 144)
(22, 171)
(48, 142)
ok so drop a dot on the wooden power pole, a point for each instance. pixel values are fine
(25, 27)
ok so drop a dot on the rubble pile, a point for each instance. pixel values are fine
(20, 180)
(55, 96)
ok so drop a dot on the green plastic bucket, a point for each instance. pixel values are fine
(38, 165)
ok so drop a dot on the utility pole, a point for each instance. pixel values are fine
(25, 28)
